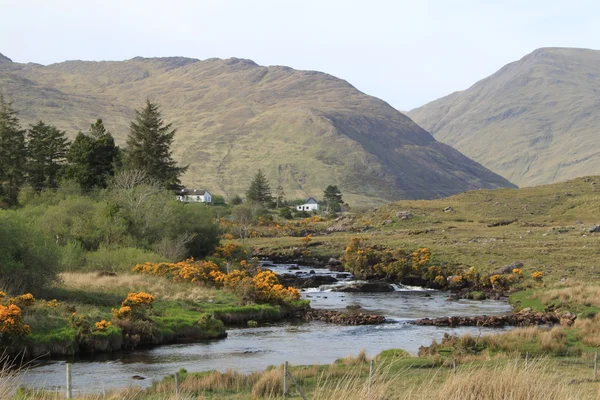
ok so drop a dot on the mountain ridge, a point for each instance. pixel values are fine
(305, 129)
(533, 121)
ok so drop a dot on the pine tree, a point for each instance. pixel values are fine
(259, 190)
(149, 147)
(92, 158)
(13, 154)
(46, 149)
(332, 198)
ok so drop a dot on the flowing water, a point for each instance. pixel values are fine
(251, 349)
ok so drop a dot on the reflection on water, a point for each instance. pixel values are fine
(251, 349)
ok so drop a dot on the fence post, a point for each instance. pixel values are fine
(285, 382)
(177, 385)
(526, 359)
(69, 393)
(454, 365)
(371, 372)
(596, 365)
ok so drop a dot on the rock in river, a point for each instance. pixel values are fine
(365, 287)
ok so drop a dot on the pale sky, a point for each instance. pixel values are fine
(405, 52)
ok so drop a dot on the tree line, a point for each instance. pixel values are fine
(259, 192)
(42, 155)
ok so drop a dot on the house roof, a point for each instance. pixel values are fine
(199, 192)
(311, 201)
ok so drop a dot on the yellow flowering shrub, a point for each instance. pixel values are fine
(420, 258)
(2, 295)
(187, 270)
(306, 239)
(24, 300)
(51, 303)
(440, 281)
(11, 323)
(124, 312)
(269, 290)
(537, 276)
(231, 251)
(101, 326)
(141, 299)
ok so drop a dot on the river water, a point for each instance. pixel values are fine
(251, 349)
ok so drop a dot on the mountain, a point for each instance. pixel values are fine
(304, 129)
(535, 121)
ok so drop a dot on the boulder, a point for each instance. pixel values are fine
(316, 281)
(508, 269)
(365, 287)
(334, 261)
(404, 215)
(449, 209)
(594, 229)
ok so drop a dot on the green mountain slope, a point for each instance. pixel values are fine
(535, 121)
(305, 129)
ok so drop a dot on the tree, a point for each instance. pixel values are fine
(259, 191)
(332, 198)
(149, 147)
(13, 154)
(93, 158)
(46, 152)
(280, 196)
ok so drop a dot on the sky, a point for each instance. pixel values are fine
(405, 52)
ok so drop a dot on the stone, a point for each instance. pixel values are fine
(404, 215)
(507, 269)
(365, 287)
(594, 229)
(334, 261)
(449, 209)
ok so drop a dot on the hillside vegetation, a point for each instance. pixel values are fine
(535, 121)
(304, 129)
(547, 228)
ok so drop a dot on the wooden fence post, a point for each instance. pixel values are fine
(371, 372)
(69, 393)
(596, 365)
(526, 359)
(285, 382)
(454, 365)
(177, 385)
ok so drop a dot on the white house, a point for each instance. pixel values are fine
(194, 196)
(310, 205)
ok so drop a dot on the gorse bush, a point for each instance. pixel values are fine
(28, 261)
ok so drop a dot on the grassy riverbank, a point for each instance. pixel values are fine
(181, 312)
(395, 376)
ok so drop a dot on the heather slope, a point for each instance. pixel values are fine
(535, 121)
(305, 129)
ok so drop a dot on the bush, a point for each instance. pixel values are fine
(28, 262)
(286, 213)
(302, 214)
(218, 200)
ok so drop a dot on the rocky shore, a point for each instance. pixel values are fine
(525, 317)
(341, 318)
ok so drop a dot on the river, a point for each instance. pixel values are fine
(251, 349)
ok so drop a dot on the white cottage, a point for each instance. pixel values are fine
(194, 196)
(310, 205)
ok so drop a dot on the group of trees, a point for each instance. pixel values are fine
(259, 192)
(42, 155)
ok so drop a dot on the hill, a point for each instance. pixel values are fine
(305, 129)
(534, 121)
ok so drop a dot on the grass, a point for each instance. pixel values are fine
(396, 376)
(463, 236)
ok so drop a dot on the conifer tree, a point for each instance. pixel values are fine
(93, 157)
(259, 190)
(46, 151)
(149, 147)
(332, 198)
(13, 154)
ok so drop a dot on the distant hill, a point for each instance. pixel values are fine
(305, 129)
(535, 121)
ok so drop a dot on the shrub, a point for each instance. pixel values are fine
(11, 324)
(28, 262)
(285, 213)
(119, 259)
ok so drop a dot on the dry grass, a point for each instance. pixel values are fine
(160, 287)
(579, 294)
(552, 340)
(588, 330)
